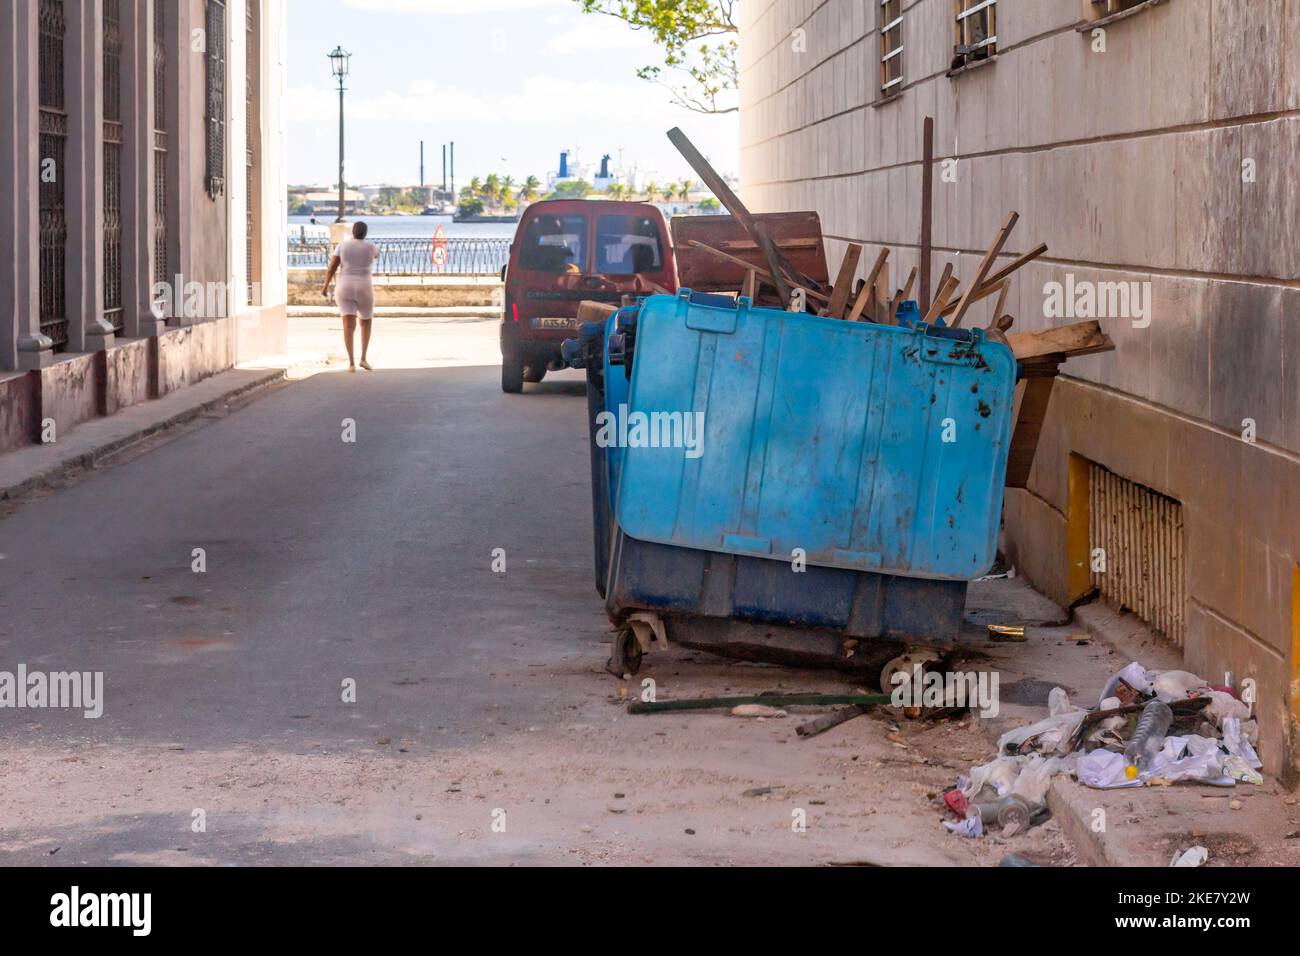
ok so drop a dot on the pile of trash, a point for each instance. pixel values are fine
(1148, 728)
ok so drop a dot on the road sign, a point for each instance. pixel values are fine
(439, 247)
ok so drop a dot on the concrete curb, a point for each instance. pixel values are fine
(88, 459)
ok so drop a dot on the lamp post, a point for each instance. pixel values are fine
(339, 67)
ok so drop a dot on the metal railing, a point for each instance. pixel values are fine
(410, 257)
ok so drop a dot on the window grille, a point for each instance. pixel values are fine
(160, 270)
(112, 211)
(891, 47)
(215, 87)
(53, 142)
(977, 32)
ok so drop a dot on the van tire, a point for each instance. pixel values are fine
(512, 375)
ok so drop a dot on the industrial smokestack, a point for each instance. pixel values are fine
(444, 167)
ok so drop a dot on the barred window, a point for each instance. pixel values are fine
(53, 142)
(1106, 8)
(977, 32)
(215, 87)
(112, 205)
(252, 191)
(891, 46)
(160, 270)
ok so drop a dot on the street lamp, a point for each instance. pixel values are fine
(339, 67)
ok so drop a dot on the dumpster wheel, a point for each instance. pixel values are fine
(625, 654)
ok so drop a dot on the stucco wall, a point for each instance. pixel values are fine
(1129, 164)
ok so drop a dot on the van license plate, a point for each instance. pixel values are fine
(556, 323)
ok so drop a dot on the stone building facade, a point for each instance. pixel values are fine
(142, 208)
(1152, 144)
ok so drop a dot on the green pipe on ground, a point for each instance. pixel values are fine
(772, 700)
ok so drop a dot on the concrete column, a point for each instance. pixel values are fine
(137, 170)
(22, 346)
(84, 81)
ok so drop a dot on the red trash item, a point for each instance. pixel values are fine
(956, 801)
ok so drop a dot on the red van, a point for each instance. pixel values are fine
(568, 250)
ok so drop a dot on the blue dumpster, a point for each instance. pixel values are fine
(791, 487)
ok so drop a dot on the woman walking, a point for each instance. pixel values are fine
(354, 261)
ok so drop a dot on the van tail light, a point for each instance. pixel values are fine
(514, 311)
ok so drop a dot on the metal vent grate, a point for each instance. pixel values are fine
(1138, 534)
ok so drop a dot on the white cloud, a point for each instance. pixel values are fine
(540, 100)
(452, 7)
(604, 33)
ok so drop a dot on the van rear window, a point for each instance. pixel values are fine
(555, 244)
(628, 245)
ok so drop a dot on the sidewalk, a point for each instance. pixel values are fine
(1243, 825)
(421, 311)
(91, 442)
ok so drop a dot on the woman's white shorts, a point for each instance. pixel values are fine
(355, 297)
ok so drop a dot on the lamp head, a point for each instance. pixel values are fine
(339, 61)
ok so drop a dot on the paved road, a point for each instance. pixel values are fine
(476, 692)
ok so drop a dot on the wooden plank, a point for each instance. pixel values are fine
(943, 280)
(868, 287)
(927, 210)
(799, 234)
(1001, 304)
(1016, 263)
(901, 297)
(989, 289)
(879, 303)
(947, 289)
(774, 266)
(748, 245)
(1081, 338)
(991, 283)
(986, 264)
(844, 281)
(763, 274)
(1034, 401)
(718, 186)
(750, 287)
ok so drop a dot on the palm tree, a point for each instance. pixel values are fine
(651, 190)
(616, 190)
(530, 190)
(492, 187)
(684, 190)
(476, 186)
(507, 188)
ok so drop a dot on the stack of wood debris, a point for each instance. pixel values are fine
(778, 260)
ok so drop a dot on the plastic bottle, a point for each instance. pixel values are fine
(1149, 737)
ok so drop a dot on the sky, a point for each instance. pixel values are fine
(512, 82)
